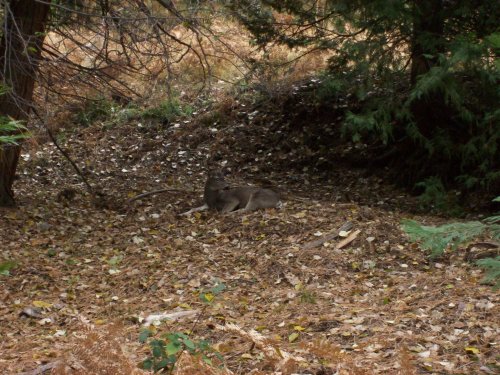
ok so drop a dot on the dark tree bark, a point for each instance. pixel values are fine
(428, 28)
(427, 41)
(20, 50)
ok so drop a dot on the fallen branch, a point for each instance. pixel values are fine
(346, 241)
(147, 194)
(90, 189)
(490, 249)
(347, 226)
(169, 316)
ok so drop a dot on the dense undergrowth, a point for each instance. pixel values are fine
(414, 88)
(332, 121)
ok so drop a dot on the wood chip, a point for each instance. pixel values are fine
(347, 240)
(312, 244)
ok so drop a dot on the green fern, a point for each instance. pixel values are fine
(12, 131)
(436, 198)
(494, 220)
(492, 268)
(437, 239)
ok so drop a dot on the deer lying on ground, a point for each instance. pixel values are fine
(219, 196)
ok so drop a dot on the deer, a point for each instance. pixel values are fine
(220, 196)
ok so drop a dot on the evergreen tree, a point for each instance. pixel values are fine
(426, 75)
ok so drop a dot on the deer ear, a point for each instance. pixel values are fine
(215, 173)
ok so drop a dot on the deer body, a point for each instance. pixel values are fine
(221, 197)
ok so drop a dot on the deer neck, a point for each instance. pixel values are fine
(210, 196)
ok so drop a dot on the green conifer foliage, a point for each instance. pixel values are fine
(426, 74)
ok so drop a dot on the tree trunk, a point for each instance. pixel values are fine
(428, 28)
(20, 49)
(427, 42)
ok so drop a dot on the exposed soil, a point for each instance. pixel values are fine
(375, 306)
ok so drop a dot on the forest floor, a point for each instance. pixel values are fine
(376, 305)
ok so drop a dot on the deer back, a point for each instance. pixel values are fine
(219, 196)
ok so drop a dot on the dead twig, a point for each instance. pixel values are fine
(312, 244)
(147, 194)
(65, 154)
(176, 315)
(346, 241)
(481, 250)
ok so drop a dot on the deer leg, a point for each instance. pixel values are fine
(250, 206)
(229, 206)
(196, 209)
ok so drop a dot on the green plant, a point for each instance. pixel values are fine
(127, 113)
(167, 111)
(5, 267)
(492, 268)
(437, 239)
(421, 78)
(307, 297)
(12, 131)
(371, 122)
(166, 350)
(106, 111)
(436, 198)
(95, 110)
(329, 88)
(62, 136)
(495, 218)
